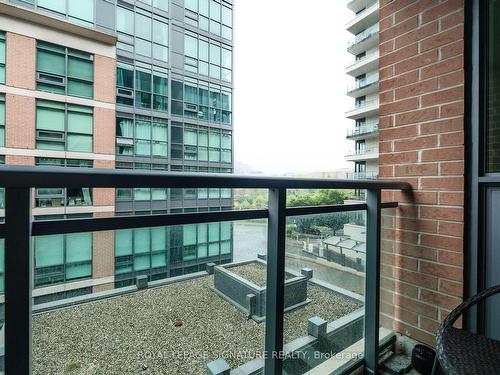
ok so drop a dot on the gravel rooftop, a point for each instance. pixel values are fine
(255, 272)
(135, 333)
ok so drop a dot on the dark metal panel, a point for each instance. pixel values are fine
(372, 281)
(492, 260)
(53, 177)
(275, 296)
(489, 179)
(471, 66)
(126, 222)
(18, 277)
(40, 228)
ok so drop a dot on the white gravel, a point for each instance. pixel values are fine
(135, 333)
(255, 272)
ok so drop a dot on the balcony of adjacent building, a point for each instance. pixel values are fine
(362, 175)
(363, 131)
(358, 5)
(364, 41)
(363, 108)
(364, 18)
(364, 63)
(363, 86)
(362, 153)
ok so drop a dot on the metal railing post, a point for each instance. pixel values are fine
(372, 281)
(18, 276)
(275, 294)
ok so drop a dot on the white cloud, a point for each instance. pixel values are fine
(290, 85)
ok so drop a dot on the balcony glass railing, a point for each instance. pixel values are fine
(184, 323)
(363, 151)
(365, 104)
(362, 175)
(360, 83)
(364, 35)
(367, 128)
(362, 59)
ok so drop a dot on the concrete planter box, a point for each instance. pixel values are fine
(250, 297)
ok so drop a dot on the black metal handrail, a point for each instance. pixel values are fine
(18, 229)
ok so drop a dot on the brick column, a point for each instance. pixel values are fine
(422, 141)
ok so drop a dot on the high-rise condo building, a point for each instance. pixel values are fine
(119, 84)
(364, 90)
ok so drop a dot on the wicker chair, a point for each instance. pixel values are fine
(459, 352)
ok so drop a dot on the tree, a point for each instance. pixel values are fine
(316, 198)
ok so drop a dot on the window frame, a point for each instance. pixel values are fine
(65, 134)
(129, 96)
(43, 84)
(3, 65)
(64, 265)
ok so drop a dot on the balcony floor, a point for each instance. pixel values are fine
(108, 336)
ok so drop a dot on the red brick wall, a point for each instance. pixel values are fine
(422, 141)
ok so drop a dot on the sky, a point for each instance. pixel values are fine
(290, 86)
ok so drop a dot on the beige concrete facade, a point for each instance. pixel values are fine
(104, 79)
(21, 53)
(103, 256)
(104, 131)
(19, 121)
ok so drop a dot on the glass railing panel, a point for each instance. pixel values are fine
(324, 289)
(151, 300)
(363, 151)
(360, 83)
(372, 30)
(365, 103)
(363, 129)
(250, 199)
(2, 304)
(331, 317)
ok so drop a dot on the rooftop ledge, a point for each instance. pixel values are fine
(54, 22)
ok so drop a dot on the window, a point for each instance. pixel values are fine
(64, 127)
(161, 4)
(142, 194)
(64, 71)
(148, 90)
(207, 57)
(360, 101)
(360, 147)
(59, 197)
(361, 56)
(142, 136)
(2, 120)
(150, 36)
(62, 258)
(201, 143)
(210, 15)
(197, 100)
(58, 6)
(124, 20)
(140, 249)
(2, 57)
(81, 10)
